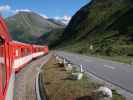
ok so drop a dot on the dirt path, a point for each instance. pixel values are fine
(25, 80)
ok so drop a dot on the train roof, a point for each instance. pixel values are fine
(27, 44)
(35, 45)
(4, 34)
(17, 42)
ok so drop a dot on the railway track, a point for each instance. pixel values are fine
(25, 80)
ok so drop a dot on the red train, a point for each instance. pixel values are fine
(13, 56)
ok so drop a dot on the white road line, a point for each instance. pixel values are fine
(108, 66)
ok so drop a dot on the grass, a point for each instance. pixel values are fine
(83, 48)
(59, 87)
(117, 58)
(117, 96)
(121, 59)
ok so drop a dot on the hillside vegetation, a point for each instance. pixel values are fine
(102, 27)
(52, 38)
(29, 26)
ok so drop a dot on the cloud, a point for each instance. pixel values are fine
(64, 19)
(8, 9)
(44, 16)
(22, 10)
(5, 8)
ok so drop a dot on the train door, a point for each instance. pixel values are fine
(2, 68)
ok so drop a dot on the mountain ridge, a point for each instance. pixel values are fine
(105, 25)
(28, 26)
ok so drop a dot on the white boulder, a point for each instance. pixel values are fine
(77, 76)
(69, 67)
(104, 93)
(57, 58)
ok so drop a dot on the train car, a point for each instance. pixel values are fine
(46, 50)
(7, 74)
(13, 57)
(38, 50)
(21, 54)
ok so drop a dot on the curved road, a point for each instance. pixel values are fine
(118, 74)
(25, 80)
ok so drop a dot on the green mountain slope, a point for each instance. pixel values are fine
(29, 26)
(101, 27)
(52, 38)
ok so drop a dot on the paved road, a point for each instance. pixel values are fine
(118, 74)
(25, 80)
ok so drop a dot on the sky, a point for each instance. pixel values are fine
(46, 8)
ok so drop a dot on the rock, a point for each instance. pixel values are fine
(77, 76)
(69, 67)
(57, 58)
(103, 93)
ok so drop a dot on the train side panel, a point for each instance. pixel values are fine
(22, 54)
(37, 51)
(46, 50)
(5, 67)
(3, 71)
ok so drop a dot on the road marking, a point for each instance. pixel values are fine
(108, 66)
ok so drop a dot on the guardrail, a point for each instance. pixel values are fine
(39, 83)
(37, 87)
(41, 94)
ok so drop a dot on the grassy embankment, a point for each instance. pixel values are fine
(58, 86)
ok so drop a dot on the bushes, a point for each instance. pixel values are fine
(117, 50)
(125, 50)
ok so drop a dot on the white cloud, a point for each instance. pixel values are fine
(5, 8)
(44, 16)
(22, 10)
(64, 19)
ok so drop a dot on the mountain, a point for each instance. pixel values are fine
(29, 26)
(102, 27)
(52, 38)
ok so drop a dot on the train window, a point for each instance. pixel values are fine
(17, 52)
(25, 51)
(1, 41)
(35, 49)
(22, 52)
(2, 63)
